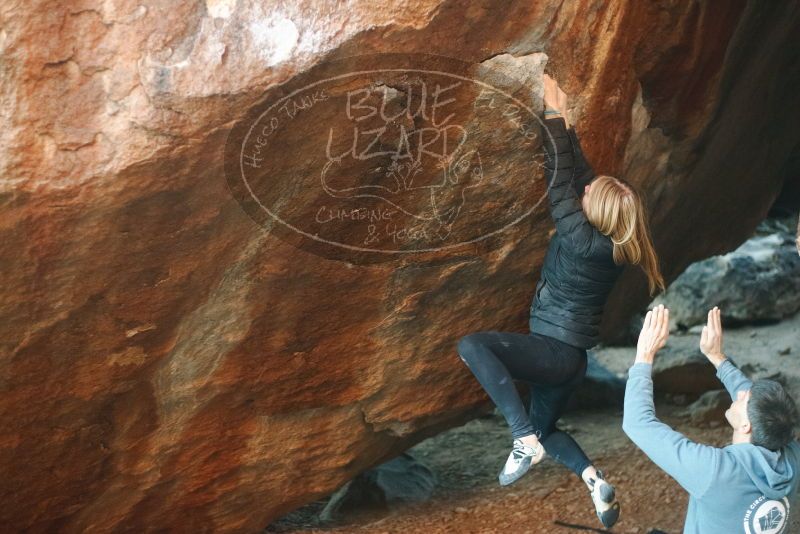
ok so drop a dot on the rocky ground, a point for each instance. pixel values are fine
(549, 499)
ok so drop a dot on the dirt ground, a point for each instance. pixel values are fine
(550, 499)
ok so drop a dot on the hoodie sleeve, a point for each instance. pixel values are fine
(691, 464)
(732, 378)
(565, 207)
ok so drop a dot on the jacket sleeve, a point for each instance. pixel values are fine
(565, 208)
(691, 464)
(732, 378)
(584, 173)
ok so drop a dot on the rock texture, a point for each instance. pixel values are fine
(683, 372)
(710, 408)
(402, 479)
(759, 281)
(168, 364)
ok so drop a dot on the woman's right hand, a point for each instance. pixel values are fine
(554, 98)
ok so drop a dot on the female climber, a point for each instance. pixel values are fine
(596, 235)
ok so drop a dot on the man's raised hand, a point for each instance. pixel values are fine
(711, 338)
(654, 334)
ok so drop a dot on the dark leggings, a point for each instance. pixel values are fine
(551, 368)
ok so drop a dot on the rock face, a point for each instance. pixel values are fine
(169, 364)
(683, 372)
(759, 281)
(710, 408)
(400, 480)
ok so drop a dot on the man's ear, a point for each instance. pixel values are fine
(745, 427)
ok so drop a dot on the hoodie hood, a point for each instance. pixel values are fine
(770, 471)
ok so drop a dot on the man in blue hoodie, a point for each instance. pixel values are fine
(748, 486)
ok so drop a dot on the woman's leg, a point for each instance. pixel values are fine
(545, 407)
(547, 403)
(496, 359)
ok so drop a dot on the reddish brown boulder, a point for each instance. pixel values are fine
(169, 364)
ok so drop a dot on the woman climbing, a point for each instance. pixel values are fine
(596, 235)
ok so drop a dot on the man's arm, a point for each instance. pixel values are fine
(565, 207)
(711, 346)
(732, 378)
(691, 464)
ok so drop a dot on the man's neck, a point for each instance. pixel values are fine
(738, 437)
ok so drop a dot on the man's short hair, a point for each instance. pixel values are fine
(773, 415)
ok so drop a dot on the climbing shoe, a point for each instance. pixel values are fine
(519, 461)
(604, 499)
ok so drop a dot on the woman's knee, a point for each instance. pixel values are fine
(468, 347)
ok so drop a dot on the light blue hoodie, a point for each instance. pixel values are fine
(734, 489)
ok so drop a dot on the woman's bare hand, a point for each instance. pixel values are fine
(554, 97)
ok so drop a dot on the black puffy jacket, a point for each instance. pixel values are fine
(579, 269)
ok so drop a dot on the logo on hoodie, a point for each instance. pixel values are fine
(767, 516)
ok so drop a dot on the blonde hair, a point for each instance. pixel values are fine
(617, 210)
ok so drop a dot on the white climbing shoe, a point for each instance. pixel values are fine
(519, 461)
(604, 499)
